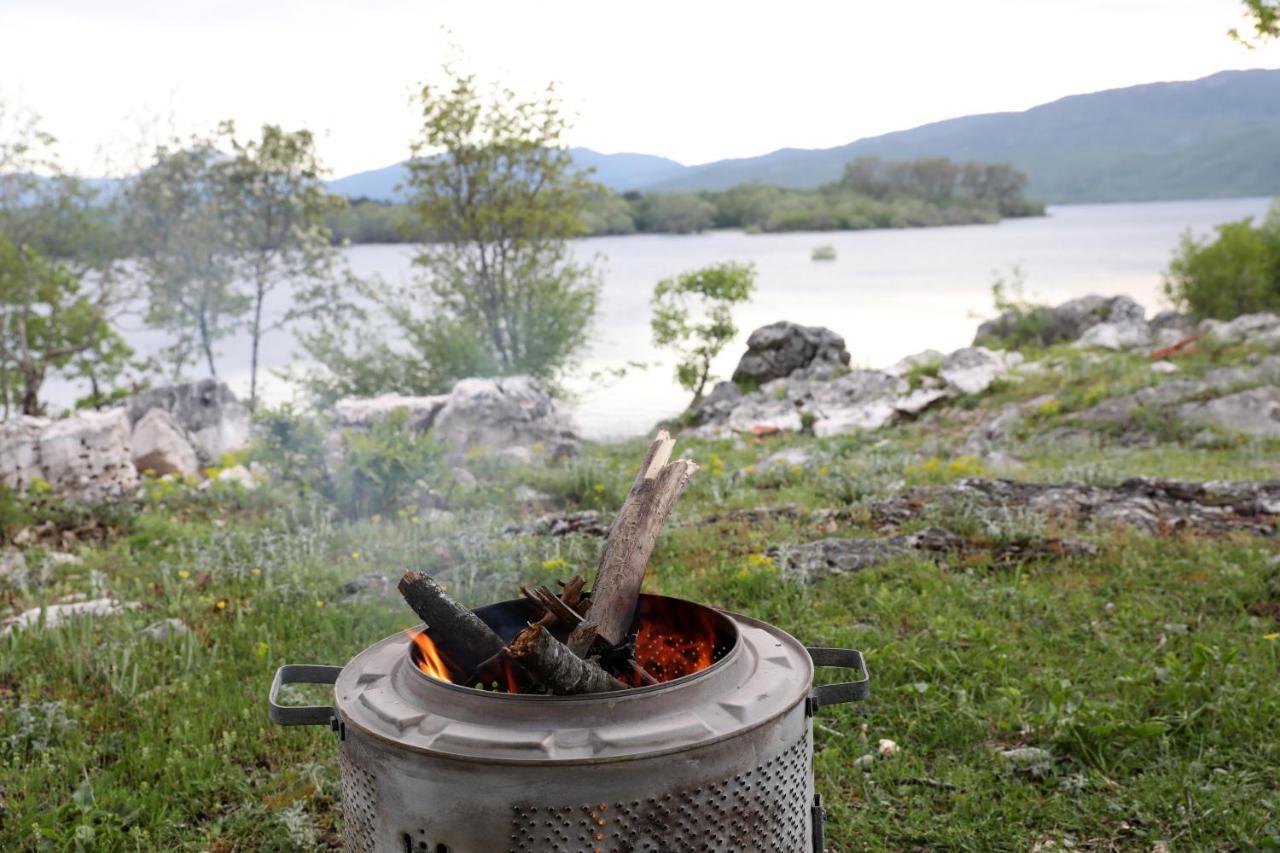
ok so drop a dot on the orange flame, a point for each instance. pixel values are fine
(668, 651)
(428, 658)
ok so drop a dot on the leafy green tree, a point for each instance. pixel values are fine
(1236, 273)
(1264, 16)
(276, 212)
(62, 285)
(692, 315)
(675, 213)
(179, 222)
(499, 197)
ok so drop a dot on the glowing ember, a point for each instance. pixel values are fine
(428, 657)
(669, 645)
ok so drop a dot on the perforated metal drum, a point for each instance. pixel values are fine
(719, 760)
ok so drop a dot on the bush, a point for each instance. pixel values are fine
(1237, 273)
(389, 468)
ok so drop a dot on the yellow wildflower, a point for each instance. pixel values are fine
(261, 649)
(319, 602)
(1271, 636)
(184, 574)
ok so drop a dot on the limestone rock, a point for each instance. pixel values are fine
(1253, 412)
(510, 411)
(55, 614)
(369, 583)
(87, 455)
(362, 413)
(1063, 323)
(972, 370)
(784, 349)
(813, 560)
(791, 457)
(206, 410)
(1115, 336)
(161, 445)
(165, 629)
(20, 451)
(1247, 328)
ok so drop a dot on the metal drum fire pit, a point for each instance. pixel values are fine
(717, 760)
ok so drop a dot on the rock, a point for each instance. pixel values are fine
(1164, 366)
(584, 523)
(792, 457)
(165, 629)
(1247, 328)
(886, 748)
(526, 495)
(785, 349)
(972, 370)
(206, 410)
(1253, 412)
(717, 405)
(926, 359)
(1066, 322)
(994, 430)
(1025, 756)
(20, 451)
(362, 413)
(161, 445)
(369, 583)
(1115, 336)
(511, 411)
(813, 560)
(239, 475)
(1148, 504)
(464, 479)
(55, 614)
(87, 455)
(919, 400)
(864, 762)
(1172, 321)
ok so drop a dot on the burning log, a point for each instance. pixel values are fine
(556, 667)
(460, 635)
(632, 537)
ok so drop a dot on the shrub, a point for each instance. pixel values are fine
(388, 468)
(1237, 273)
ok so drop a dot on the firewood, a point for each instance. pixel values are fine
(460, 635)
(556, 667)
(632, 537)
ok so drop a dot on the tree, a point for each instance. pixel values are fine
(1237, 273)
(179, 220)
(498, 197)
(61, 282)
(1264, 16)
(276, 221)
(697, 341)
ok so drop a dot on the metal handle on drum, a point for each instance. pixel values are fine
(301, 715)
(845, 691)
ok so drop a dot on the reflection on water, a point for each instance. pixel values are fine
(890, 293)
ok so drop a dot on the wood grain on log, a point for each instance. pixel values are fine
(556, 667)
(632, 537)
(460, 635)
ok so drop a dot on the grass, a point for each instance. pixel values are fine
(1139, 670)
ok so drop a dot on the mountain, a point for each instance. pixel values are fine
(1218, 136)
(619, 172)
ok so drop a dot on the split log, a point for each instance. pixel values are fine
(556, 667)
(460, 635)
(632, 538)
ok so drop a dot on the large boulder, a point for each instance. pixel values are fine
(972, 370)
(159, 444)
(784, 349)
(1253, 412)
(206, 410)
(87, 456)
(361, 413)
(20, 451)
(1247, 328)
(503, 413)
(1060, 324)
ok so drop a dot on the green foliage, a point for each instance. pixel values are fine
(697, 338)
(1022, 323)
(364, 220)
(388, 468)
(496, 198)
(1264, 17)
(1236, 273)
(673, 213)
(292, 444)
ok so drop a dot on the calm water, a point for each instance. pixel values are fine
(889, 293)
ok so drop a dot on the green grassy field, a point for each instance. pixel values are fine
(1138, 670)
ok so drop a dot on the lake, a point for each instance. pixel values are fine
(889, 293)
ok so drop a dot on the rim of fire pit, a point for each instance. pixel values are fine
(765, 674)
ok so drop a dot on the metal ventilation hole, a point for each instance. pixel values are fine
(762, 810)
(359, 797)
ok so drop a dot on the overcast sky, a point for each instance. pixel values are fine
(693, 80)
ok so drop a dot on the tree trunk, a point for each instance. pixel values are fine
(253, 358)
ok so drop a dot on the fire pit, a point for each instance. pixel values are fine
(720, 759)
(580, 723)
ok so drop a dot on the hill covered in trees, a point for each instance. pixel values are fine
(1216, 137)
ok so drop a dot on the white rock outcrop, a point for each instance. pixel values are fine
(160, 445)
(87, 455)
(20, 451)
